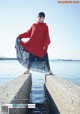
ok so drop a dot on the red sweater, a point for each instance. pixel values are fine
(39, 37)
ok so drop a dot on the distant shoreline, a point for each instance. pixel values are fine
(50, 59)
(65, 59)
(8, 58)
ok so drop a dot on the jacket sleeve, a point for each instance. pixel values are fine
(46, 38)
(26, 34)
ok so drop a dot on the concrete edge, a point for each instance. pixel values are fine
(16, 91)
(64, 94)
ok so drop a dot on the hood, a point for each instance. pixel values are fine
(40, 23)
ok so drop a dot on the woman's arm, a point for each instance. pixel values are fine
(26, 34)
(47, 38)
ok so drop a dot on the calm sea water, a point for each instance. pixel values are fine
(69, 70)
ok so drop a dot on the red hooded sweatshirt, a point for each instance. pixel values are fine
(39, 37)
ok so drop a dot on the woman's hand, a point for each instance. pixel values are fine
(44, 47)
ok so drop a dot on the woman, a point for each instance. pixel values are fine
(33, 54)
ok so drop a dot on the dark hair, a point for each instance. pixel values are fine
(41, 14)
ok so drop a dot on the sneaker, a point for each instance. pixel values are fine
(26, 72)
(50, 73)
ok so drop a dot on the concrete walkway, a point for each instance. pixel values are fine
(16, 92)
(64, 97)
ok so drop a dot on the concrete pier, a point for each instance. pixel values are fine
(16, 92)
(64, 97)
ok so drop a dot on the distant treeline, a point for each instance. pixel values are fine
(3, 58)
(8, 58)
(64, 60)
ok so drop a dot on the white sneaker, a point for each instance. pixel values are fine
(50, 73)
(27, 72)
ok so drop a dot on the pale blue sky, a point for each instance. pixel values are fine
(16, 17)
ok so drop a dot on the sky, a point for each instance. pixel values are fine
(63, 20)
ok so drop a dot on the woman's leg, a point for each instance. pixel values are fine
(47, 61)
(29, 64)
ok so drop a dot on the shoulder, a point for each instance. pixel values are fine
(46, 26)
(34, 24)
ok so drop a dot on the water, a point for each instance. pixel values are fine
(9, 69)
(69, 70)
(37, 88)
(38, 95)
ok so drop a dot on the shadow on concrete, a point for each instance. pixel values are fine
(52, 106)
(21, 97)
